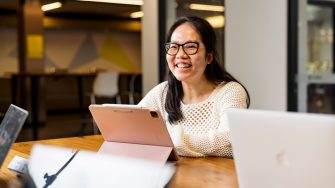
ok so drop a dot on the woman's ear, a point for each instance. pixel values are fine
(209, 58)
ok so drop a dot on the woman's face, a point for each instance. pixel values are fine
(188, 68)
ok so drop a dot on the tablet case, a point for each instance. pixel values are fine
(133, 131)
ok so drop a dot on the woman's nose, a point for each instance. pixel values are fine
(181, 53)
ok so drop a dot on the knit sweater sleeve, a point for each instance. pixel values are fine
(213, 143)
(216, 141)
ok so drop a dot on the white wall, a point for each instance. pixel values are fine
(150, 48)
(256, 49)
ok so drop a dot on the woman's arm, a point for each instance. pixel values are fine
(215, 142)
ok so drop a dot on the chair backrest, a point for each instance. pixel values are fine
(106, 84)
(135, 83)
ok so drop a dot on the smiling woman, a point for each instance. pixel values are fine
(194, 99)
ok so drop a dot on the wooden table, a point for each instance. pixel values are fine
(190, 172)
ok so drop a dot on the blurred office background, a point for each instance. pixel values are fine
(49, 59)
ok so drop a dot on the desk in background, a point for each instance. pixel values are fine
(190, 172)
(28, 91)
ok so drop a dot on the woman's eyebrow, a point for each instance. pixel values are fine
(176, 42)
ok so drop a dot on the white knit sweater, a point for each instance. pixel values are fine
(203, 131)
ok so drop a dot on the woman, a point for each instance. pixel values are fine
(198, 91)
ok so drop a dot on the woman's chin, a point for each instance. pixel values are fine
(180, 77)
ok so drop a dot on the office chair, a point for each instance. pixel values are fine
(135, 88)
(130, 88)
(106, 87)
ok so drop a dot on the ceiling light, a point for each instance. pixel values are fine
(215, 8)
(127, 2)
(136, 14)
(51, 6)
(216, 21)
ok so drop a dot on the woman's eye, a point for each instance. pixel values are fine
(190, 46)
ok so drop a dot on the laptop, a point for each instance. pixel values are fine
(282, 149)
(133, 131)
(9, 129)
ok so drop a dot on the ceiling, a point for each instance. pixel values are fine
(85, 14)
(73, 8)
(77, 14)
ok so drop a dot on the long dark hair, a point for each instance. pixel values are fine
(214, 72)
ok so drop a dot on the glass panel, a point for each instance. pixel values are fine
(321, 98)
(320, 39)
(315, 79)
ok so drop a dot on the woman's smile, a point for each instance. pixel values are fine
(183, 65)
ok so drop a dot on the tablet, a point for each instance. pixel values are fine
(131, 124)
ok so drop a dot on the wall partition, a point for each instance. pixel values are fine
(256, 49)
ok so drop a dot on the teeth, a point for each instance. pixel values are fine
(183, 65)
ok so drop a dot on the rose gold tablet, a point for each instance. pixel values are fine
(131, 124)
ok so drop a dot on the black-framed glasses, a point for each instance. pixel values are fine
(190, 48)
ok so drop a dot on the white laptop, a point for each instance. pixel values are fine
(283, 149)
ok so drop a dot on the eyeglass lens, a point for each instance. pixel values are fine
(189, 48)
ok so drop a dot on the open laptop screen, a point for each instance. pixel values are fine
(10, 128)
